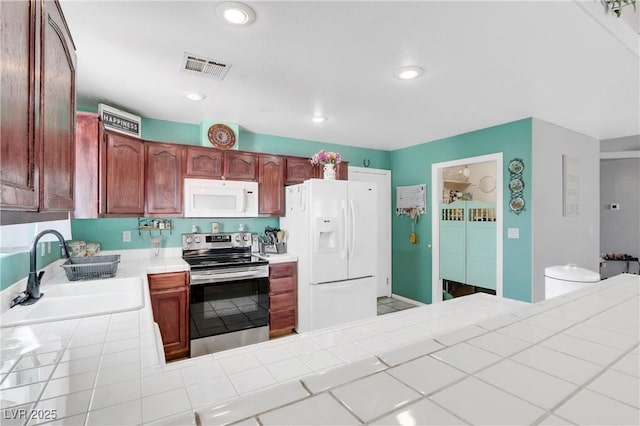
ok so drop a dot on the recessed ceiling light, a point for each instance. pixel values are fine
(319, 119)
(194, 96)
(235, 13)
(409, 72)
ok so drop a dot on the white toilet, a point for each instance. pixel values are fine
(565, 278)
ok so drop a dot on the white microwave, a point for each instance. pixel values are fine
(220, 198)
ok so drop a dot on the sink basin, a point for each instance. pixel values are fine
(78, 299)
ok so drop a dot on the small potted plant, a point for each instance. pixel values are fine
(328, 160)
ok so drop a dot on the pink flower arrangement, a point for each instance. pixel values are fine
(323, 157)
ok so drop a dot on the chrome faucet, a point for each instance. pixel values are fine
(32, 293)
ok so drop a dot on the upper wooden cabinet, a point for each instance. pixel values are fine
(37, 119)
(87, 155)
(239, 165)
(57, 111)
(123, 175)
(300, 169)
(271, 185)
(164, 179)
(203, 163)
(342, 170)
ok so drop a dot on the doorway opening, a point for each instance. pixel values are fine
(467, 200)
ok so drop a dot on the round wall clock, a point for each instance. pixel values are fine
(221, 136)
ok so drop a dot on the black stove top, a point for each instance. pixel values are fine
(223, 261)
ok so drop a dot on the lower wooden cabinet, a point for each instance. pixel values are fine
(283, 290)
(170, 304)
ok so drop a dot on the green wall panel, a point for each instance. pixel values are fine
(15, 266)
(109, 231)
(412, 166)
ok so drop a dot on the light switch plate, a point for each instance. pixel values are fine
(126, 236)
(513, 233)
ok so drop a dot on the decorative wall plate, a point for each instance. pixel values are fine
(517, 204)
(516, 185)
(516, 166)
(221, 136)
(487, 184)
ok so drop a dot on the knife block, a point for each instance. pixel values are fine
(277, 248)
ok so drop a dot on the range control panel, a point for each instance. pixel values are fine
(216, 241)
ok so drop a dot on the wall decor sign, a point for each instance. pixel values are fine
(411, 197)
(570, 186)
(516, 185)
(120, 121)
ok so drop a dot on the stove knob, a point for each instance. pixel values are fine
(238, 238)
(198, 240)
(245, 237)
(188, 240)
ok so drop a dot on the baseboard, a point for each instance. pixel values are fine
(406, 299)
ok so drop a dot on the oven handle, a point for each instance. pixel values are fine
(212, 277)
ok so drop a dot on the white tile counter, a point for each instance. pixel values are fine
(454, 361)
(279, 258)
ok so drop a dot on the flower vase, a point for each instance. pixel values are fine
(330, 171)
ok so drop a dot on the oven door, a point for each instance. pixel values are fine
(228, 306)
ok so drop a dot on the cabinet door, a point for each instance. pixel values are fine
(283, 289)
(124, 162)
(203, 163)
(170, 305)
(18, 171)
(57, 111)
(164, 179)
(299, 169)
(271, 185)
(86, 175)
(239, 166)
(342, 170)
(170, 313)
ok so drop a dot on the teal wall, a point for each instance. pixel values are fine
(15, 266)
(109, 231)
(412, 166)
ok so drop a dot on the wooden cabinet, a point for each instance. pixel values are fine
(342, 170)
(38, 108)
(57, 111)
(203, 163)
(239, 165)
(123, 170)
(164, 179)
(170, 304)
(300, 169)
(283, 289)
(86, 175)
(271, 185)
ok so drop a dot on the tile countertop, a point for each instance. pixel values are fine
(279, 258)
(476, 359)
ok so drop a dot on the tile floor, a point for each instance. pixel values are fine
(386, 305)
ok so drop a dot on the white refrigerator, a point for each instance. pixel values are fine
(331, 226)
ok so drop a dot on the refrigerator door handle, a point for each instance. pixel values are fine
(343, 255)
(352, 208)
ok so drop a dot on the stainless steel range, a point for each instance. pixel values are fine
(229, 301)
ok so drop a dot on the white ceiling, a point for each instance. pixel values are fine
(486, 63)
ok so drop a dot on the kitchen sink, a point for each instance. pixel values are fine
(79, 299)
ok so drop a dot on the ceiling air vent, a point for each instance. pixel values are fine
(203, 66)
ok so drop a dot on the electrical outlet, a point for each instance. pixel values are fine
(126, 236)
(614, 206)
